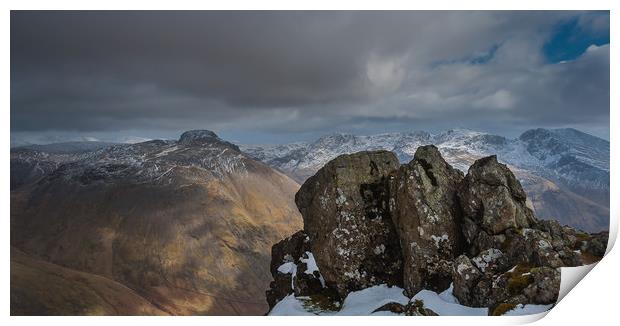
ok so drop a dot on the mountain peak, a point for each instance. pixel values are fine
(569, 134)
(534, 133)
(191, 136)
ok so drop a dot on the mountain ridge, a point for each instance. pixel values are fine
(571, 163)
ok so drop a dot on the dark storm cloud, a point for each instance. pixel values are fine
(288, 72)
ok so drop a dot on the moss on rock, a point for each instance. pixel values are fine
(502, 308)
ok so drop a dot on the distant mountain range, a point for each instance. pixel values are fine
(564, 171)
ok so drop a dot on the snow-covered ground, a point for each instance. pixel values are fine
(364, 302)
(359, 303)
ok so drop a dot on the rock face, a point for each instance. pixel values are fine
(515, 254)
(424, 225)
(345, 211)
(492, 198)
(201, 137)
(295, 271)
(423, 205)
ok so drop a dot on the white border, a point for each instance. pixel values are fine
(593, 300)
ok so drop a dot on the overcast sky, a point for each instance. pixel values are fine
(275, 77)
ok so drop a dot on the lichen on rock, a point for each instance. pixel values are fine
(345, 212)
(427, 219)
(492, 197)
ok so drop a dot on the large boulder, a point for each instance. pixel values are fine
(493, 199)
(424, 208)
(345, 211)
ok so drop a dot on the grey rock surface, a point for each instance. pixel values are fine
(345, 211)
(424, 208)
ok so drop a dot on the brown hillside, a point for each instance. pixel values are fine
(188, 235)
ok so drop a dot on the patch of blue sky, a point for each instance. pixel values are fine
(570, 39)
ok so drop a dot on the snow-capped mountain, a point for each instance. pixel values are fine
(564, 171)
(145, 161)
(566, 153)
(570, 156)
(187, 224)
(551, 145)
(158, 160)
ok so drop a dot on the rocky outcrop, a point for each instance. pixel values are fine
(198, 137)
(493, 199)
(424, 225)
(294, 271)
(522, 284)
(515, 254)
(345, 211)
(424, 209)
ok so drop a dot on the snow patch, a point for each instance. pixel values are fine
(358, 303)
(290, 306)
(312, 267)
(287, 268)
(364, 302)
(528, 309)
